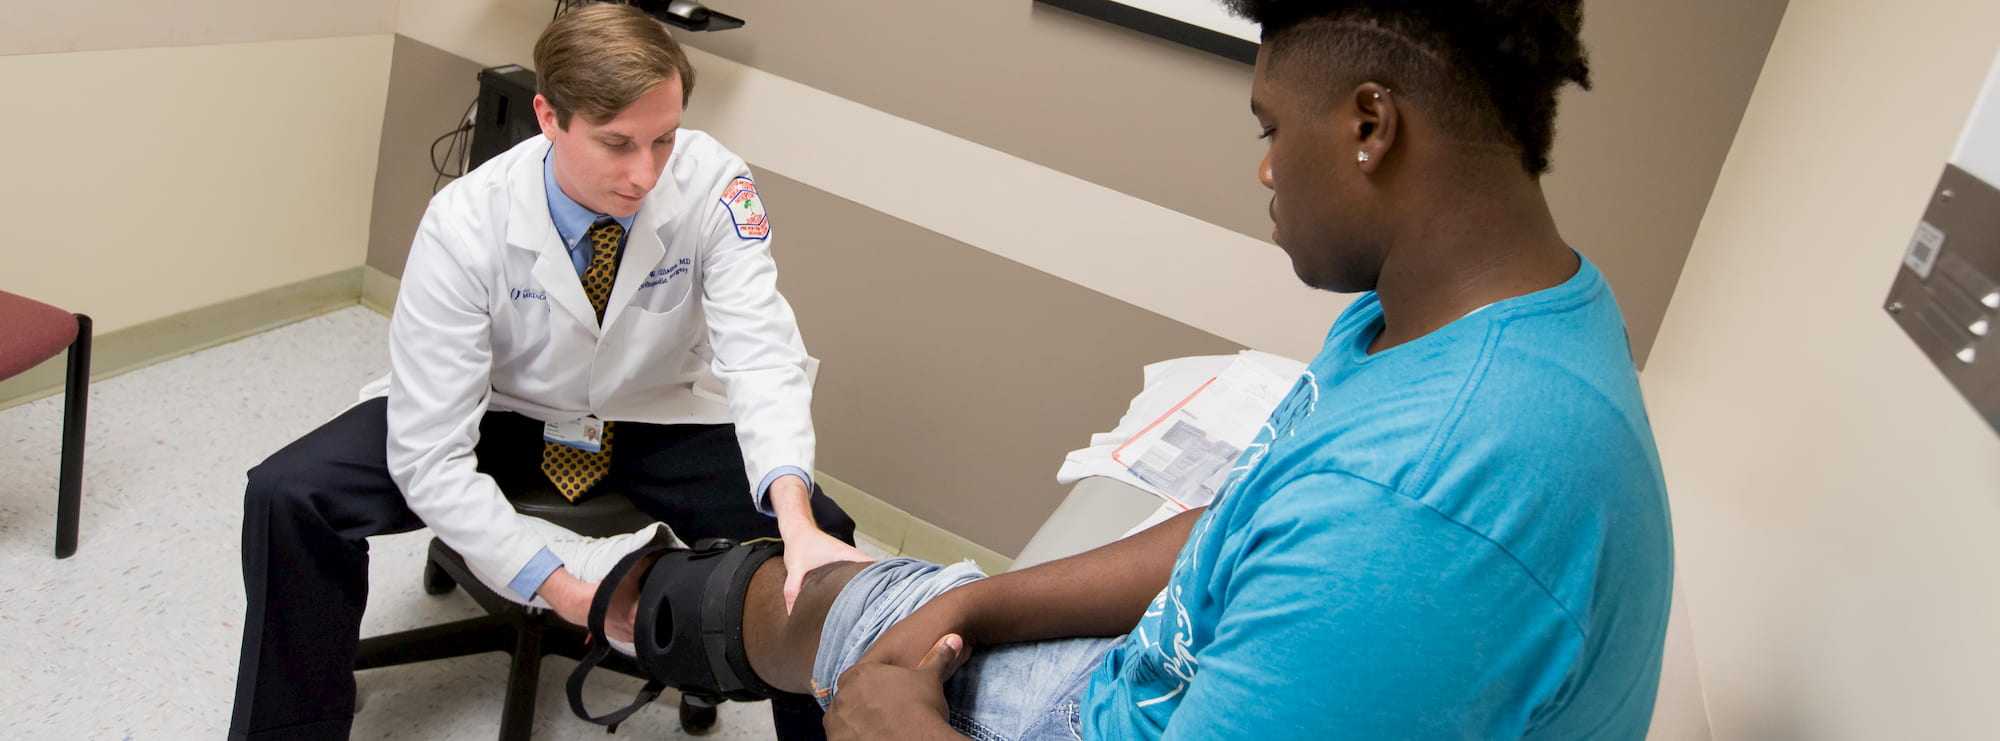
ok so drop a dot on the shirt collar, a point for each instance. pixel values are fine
(572, 219)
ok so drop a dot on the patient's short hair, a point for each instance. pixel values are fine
(597, 59)
(1487, 70)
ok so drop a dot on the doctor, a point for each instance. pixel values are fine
(594, 310)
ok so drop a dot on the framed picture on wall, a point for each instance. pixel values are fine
(1202, 24)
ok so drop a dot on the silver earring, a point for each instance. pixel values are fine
(1363, 157)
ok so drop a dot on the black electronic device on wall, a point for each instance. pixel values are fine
(684, 14)
(505, 114)
(688, 14)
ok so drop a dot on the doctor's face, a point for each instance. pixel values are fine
(610, 167)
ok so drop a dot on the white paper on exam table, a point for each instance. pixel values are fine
(1236, 393)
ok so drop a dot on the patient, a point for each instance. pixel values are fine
(1454, 526)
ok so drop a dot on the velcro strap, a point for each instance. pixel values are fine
(716, 626)
(600, 644)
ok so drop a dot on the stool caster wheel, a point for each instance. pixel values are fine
(697, 715)
(436, 581)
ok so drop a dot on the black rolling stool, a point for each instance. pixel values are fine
(526, 632)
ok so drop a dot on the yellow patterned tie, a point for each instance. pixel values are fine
(574, 470)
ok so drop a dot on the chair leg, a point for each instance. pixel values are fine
(463, 638)
(517, 712)
(76, 395)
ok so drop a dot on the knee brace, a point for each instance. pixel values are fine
(689, 631)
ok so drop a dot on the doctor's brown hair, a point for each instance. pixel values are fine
(597, 59)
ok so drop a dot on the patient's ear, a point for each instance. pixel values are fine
(1377, 122)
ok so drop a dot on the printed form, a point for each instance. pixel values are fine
(1186, 453)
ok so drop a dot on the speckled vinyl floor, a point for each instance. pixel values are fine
(137, 635)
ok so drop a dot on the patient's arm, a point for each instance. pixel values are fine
(1096, 593)
(1101, 592)
(895, 690)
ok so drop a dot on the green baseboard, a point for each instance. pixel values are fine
(166, 338)
(901, 534)
(378, 290)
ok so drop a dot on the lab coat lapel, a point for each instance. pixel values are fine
(529, 227)
(643, 248)
(557, 275)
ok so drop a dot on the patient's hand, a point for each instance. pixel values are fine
(883, 701)
(912, 640)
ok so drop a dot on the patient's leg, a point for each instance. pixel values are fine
(780, 647)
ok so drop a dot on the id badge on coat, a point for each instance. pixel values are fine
(583, 434)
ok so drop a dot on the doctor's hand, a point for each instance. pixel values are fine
(811, 550)
(570, 598)
(623, 612)
(806, 546)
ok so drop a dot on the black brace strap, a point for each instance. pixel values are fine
(600, 646)
(721, 624)
(693, 601)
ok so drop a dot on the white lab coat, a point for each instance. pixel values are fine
(492, 315)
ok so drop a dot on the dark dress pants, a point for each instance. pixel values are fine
(310, 507)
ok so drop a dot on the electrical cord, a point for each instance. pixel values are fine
(460, 143)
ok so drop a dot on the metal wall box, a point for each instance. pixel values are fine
(1946, 296)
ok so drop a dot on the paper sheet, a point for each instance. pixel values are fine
(1180, 435)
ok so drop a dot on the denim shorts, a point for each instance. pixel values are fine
(1010, 692)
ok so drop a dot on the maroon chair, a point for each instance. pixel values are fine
(31, 332)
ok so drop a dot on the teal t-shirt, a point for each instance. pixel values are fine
(1465, 536)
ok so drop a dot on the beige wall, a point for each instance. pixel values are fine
(100, 25)
(1171, 125)
(489, 32)
(1834, 499)
(146, 182)
(1166, 123)
(429, 89)
(953, 381)
(1167, 126)
(1637, 156)
(1679, 713)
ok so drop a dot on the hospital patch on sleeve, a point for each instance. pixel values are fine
(746, 209)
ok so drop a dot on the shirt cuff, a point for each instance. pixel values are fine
(764, 488)
(537, 571)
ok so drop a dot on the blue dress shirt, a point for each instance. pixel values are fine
(572, 219)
